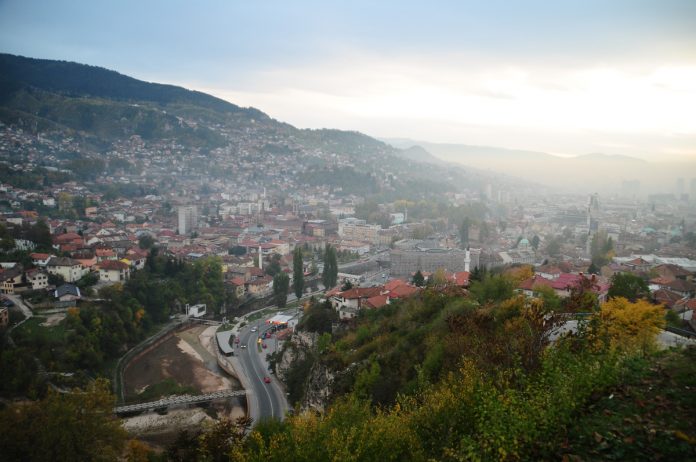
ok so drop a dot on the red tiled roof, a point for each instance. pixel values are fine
(393, 284)
(461, 278)
(404, 291)
(535, 281)
(666, 297)
(67, 237)
(113, 265)
(361, 292)
(335, 291)
(659, 281)
(377, 301)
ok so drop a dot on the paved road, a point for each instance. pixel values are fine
(270, 397)
(665, 339)
(17, 300)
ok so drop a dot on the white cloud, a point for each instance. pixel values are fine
(436, 97)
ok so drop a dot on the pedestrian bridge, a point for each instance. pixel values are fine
(178, 400)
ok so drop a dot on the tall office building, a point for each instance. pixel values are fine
(188, 219)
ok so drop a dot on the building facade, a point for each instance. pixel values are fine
(188, 219)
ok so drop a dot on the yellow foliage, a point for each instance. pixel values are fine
(439, 277)
(632, 326)
(520, 273)
(73, 312)
(137, 451)
(139, 315)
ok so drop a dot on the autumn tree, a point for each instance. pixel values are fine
(71, 426)
(631, 326)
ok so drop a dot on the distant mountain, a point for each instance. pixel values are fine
(100, 109)
(419, 154)
(595, 172)
(72, 79)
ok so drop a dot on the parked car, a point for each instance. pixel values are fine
(267, 379)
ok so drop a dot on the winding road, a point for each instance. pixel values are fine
(267, 400)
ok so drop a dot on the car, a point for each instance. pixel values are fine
(243, 346)
(266, 379)
(236, 340)
(254, 329)
(264, 345)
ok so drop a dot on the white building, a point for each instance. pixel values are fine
(71, 270)
(188, 219)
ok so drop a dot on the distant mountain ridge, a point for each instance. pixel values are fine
(99, 109)
(584, 173)
(75, 79)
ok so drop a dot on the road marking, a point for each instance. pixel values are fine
(265, 389)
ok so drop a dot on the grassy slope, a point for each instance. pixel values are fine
(649, 417)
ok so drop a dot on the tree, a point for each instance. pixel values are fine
(281, 285)
(273, 267)
(40, 234)
(628, 286)
(418, 279)
(330, 275)
(7, 242)
(439, 277)
(535, 242)
(297, 272)
(553, 247)
(79, 425)
(347, 285)
(464, 232)
(631, 326)
(484, 231)
(146, 241)
(593, 269)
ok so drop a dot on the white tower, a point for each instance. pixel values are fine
(260, 258)
(467, 260)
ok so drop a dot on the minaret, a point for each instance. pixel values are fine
(467, 260)
(260, 258)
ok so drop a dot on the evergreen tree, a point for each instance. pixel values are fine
(535, 242)
(281, 285)
(330, 275)
(418, 279)
(628, 286)
(297, 272)
(464, 232)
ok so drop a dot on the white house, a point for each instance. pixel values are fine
(113, 271)
(71, 270)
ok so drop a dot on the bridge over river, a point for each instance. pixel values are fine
(178, 400)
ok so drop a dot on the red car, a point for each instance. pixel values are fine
(236, 340)
(264, 345)
(266, 380)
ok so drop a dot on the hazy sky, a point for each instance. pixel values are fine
(565, 77)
